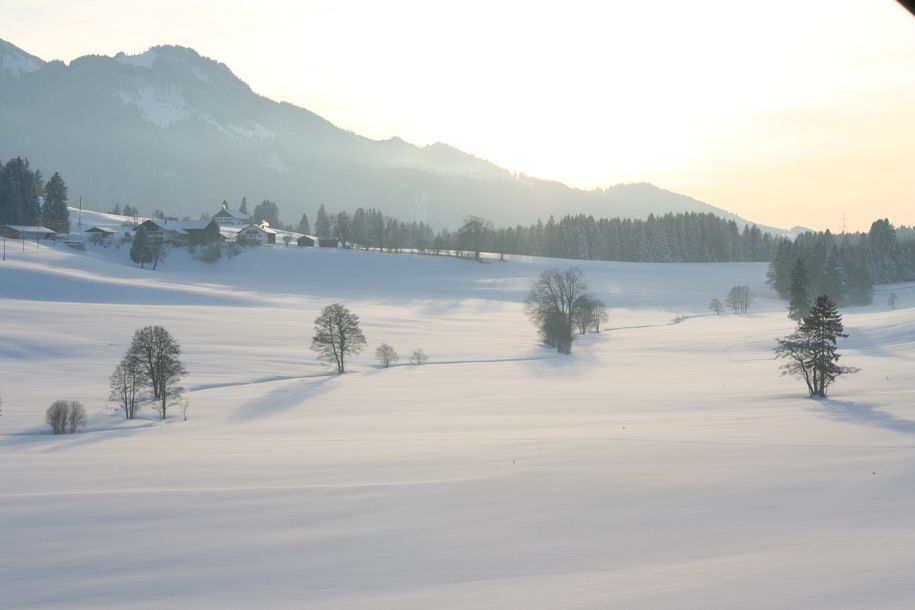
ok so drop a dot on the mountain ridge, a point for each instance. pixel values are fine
(171, 129)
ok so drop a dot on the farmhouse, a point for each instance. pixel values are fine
(260, 234)
(181, 232)
(311, 241)
(33, 233)
(231, 218)
(100, 235)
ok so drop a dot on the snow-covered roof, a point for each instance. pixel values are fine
(181, 227)
(98, 229)
(259, 228)
(29, 229)
(233, 213)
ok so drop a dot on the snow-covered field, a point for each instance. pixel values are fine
(659, 466)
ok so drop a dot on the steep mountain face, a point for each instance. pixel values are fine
(171, 130)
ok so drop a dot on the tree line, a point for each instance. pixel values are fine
(843, 267)
(26, 199)
(681, 237)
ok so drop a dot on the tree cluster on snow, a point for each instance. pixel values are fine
(152, 362)
(844, 267)
(558, 303)
(65, 416)
(25, 199)
(739, 299)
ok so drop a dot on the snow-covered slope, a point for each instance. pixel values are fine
(659, 466)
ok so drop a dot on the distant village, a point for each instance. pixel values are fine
(226, 225)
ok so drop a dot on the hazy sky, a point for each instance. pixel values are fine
(786, 112)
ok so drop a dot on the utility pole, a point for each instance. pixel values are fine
(80, 217)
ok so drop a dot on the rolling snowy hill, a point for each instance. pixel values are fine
(659, 466)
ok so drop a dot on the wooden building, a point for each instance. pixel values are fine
(27, 232)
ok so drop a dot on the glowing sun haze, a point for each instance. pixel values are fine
(784, 112)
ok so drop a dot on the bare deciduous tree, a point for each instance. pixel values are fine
(125, 383)
(588, 312)
(551, 305)
(739, 298)
(386, 355)
(337, 335)
(472, 234)
(419, 356)
(65, 416)
(717, 306)
(158, 354)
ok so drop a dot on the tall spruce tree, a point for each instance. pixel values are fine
(19, 194)
(799, 303)
(322, 222)
(54, 213)
(141, 250)
(810, 351)
(269, 211)
(304, 227)
(832, 281)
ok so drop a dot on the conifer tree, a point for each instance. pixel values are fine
(304, 227)
(832, 282)
(141, 250)
(322, 222)
(54, 213)
(799, 303)
(810, 351)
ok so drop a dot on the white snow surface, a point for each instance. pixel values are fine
(161, 108)
(658, 466)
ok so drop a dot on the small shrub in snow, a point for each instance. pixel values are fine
(207, 253)
(386, 355)
(65, 416)
(233, 248)
(419, 356)
(679, 319)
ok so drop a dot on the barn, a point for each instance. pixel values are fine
(100, 235)
(260, 234)
(28, 232)
(231, 218)
(310, 241)
(182, 232)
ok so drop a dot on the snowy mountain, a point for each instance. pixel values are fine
(168, 129)
(14, 62)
